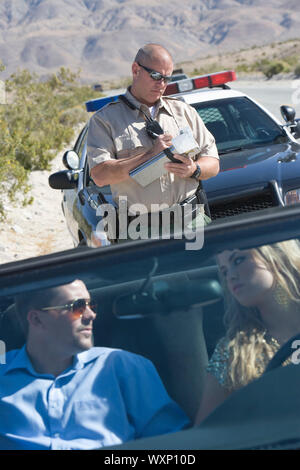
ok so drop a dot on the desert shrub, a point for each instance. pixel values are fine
(297, 71)
(122, 82)
(211, 68)
(37, 121)
(13, 176)
(242, 68)
(291, 60)
(275, 68)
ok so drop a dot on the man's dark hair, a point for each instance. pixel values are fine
(32, 300)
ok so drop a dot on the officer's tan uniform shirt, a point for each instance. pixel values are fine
(117, 131)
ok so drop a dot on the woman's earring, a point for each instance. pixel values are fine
(281, 296)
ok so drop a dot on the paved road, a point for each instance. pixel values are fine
(272, 94)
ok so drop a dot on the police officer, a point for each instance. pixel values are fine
(118, 140)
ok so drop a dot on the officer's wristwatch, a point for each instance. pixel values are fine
(196, 173)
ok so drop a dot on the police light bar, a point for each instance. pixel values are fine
(203, 81)
(98, 103)
(189, 84)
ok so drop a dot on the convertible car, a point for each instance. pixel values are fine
(166, 303)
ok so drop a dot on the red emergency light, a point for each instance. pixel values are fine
(203, 81)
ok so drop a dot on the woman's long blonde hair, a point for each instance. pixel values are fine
(245, 330)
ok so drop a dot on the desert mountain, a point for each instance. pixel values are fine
(101, 36)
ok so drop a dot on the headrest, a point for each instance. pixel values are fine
(218, 130)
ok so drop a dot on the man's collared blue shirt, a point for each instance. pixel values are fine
(105, 398)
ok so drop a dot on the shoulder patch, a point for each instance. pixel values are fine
(99, 103)
(107, 106)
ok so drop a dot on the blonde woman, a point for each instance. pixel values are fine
(262, 288)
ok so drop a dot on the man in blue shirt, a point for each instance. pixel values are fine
(60, 392)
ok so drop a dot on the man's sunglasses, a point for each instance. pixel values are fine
(156, 75)
(76, 308)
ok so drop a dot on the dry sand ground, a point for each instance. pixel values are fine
(36, 229)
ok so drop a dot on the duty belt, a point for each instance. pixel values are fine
(191, 202)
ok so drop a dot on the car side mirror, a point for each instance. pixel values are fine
(296, 130)
(65, 179)
(71, 160)
(288, 113)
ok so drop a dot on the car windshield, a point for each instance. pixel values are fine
(238, 123)
(209, 319)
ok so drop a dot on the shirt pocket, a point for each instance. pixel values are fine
(88, 414)
(131, 152)
(132, 141)
(123, 140)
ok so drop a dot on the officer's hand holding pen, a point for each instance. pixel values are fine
(161, 143)
(184, 169)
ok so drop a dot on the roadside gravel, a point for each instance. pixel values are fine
(39, 228)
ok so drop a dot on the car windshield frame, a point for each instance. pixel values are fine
(266, 226)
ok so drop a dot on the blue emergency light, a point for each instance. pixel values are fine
(98, 103)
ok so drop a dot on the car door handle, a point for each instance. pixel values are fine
(81, 197)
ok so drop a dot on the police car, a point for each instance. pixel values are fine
(259, 157)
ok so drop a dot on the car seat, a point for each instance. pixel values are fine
(219, 130)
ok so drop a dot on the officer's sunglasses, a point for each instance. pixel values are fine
(157, 76)
(76, 308)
